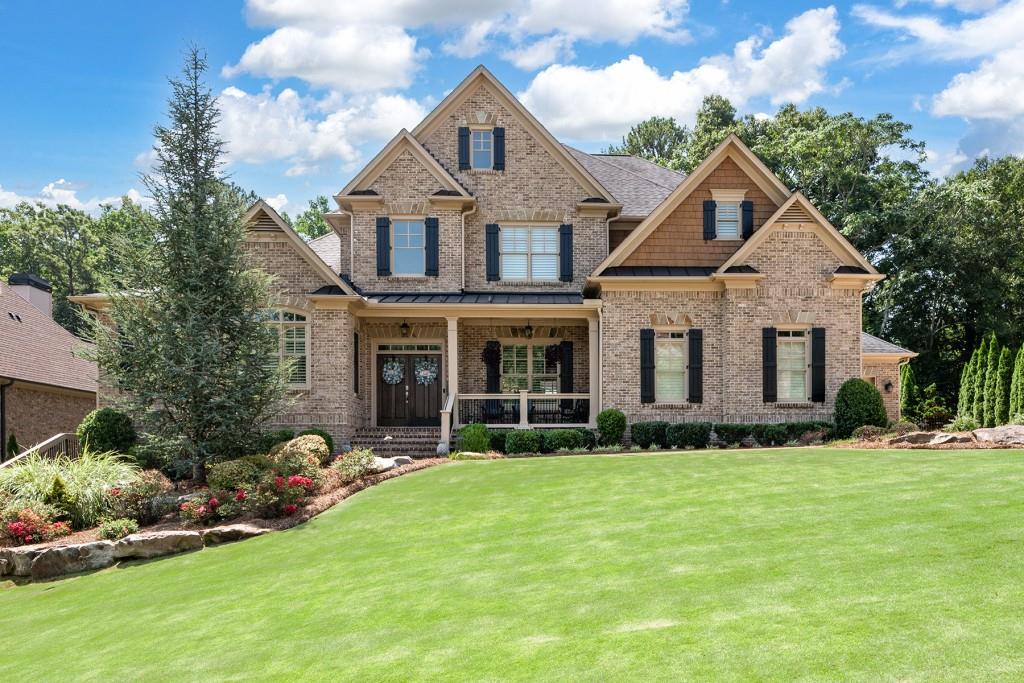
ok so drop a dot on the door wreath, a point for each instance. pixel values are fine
(393, 372)
(426, 371)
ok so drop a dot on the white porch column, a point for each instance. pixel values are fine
(594, 347)
(453, 356)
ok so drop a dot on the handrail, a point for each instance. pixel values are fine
(58, 443)
(530, 395)
(446, 419)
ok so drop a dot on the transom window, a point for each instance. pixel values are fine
(292, 344)
(670, 367)
(481, 149)
(529, 252)
(792, 348)
(409, 247)
(727, 220)
(526, 366)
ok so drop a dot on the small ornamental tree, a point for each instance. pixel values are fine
(965, 404)
(1004, 375)
(991, 376)
(910, 393)
(858, 403)
(978, 409)
(1017, 386)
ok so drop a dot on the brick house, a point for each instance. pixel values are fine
(481, 271)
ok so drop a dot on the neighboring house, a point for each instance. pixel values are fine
(45, 389)
(480, 271)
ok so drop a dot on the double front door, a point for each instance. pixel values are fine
(409, 389)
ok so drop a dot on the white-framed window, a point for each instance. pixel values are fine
(727, 220)
(292, 344)
(526, 366)
(792, 349)
(529, 252)
(481, 149)
(670, 367)
(409, 246)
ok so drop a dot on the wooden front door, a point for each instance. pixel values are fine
(403, 399)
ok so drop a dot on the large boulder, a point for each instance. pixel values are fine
(69, 559)
(156, 543)
(231, 532)
(914, 438)
(380, 465)
(403, 460)
(1007, 435)
(942, 438)
(18, 561)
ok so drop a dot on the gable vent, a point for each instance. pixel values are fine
(263, 222)
(795, 214)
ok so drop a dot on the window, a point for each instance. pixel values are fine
(529, 253)
(727, 220)
(292, 344)
(481, 149)
(409, 247)
(792, 365)
(670, 367)
(526, 366)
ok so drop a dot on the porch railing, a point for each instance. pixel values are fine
(59, 444)
(523, 409)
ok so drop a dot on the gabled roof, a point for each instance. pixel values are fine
(402, 142)
(271, 220)
(872, 345)
(34, 348)
(328, 248)
(733, 148)
(481, 75)
(638, 184)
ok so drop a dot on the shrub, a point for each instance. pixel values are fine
(732, 433)
(323, 435)
(498, 437)
(268, 440)
(475, 438)
(647, 434)
(354, 464)
(964, 423)
(116, 529)
(858, 403)
(107, 429)
(688, 434)
(524, 441)
(302, 455)
(27, 524)
(814, 436)
(143, 499)
(562, 439)
(241, 473)
(868, 433)
(903, 427)
(611, 425)
(200, 509)
(770, 434)
(12, 448)
(588, 439)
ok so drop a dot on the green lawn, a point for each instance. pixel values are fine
(759, 565)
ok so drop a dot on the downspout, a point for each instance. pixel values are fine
(351, 241)
(3, 418)
(463, 245)
(600, 316)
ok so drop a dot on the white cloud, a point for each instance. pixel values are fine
(277, 202)
(965, 6)
(541, 52)
(472, 42)
(942, 162)
(600, 103)
(64, 192)
(995, 90)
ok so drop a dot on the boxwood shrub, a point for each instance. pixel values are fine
(521, 441)
(562, 439)
(770, 434)
(588, 439)
(648, 434)
(498, 437)
(858, 403)
(475, 438)
(688, 434)
(105, 430)
(611, 424)
(732, 433)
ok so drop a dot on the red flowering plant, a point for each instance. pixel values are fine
(33, 524)
(201, 509)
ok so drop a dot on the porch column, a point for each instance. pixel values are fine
(453, 356)
(594, 347)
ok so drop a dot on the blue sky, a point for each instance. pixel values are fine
(311, 89)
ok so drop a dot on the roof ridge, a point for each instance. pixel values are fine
(626, 170)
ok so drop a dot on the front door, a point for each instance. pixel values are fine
(409, 389)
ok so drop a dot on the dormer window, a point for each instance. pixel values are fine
(482, 148)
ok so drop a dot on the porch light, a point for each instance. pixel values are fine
(528, 331)
(888, 387)
(405, 328)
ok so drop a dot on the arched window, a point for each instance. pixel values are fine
(292, 344)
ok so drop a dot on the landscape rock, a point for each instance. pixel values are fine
(914, 438)
(156, 543)
(943, 438)
(442, 450)
(231, 532)
(70, 559)
(380, 464)
(18, 561)
(404, 460)
(1007, 435)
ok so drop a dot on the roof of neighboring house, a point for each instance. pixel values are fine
(639, 185)
(34, 348)
(869, 343)
(464, 298)
(328, 248)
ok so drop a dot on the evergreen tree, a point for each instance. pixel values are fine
(1004, 376)
(910, 393)
(187, 346)
(1017, 386)
(991, 376)
(978, 410)
(965, 405)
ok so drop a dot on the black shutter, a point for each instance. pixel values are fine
(647, 366)
(493, 271)
(747, 208)
(818, 364)
(355, 362)
(769, 364)
(463, 148)
(383, 246)
(499, 149)
(494, 369)
(431, 252)
(565, 379)
(565, 253)
(709, 219)
(696, 369)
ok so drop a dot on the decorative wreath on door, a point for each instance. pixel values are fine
(426, 371)
(394, 371)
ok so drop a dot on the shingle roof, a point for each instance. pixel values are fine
(34, 348)
(532, 298)
(328, 248)
(869, 343)
(639, 185)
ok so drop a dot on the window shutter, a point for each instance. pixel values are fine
(709, 219)
(818, 364)
(498, 135)
(463, 148)
(696, 366)
(494, 369)
(748, 218)
(430, 228)
(493, 271)
(647, 366)
(383, 246)
(565, 253)
(769, 365)
(355, 362)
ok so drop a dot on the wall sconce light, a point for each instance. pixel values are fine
(528, 331)
(405, 328)
(888, 387)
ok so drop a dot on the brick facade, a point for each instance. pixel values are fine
(34, 414)
(879, 373)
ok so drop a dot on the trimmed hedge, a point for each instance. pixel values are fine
(105, 430)
(268, 440)
(648, 434)
(588, 439)
(562, 439)
(858, 403)
(475, 438)
(688, 434)
(498, 437)
(523, 441)
(611, 424)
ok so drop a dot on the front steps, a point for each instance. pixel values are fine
(415, 442)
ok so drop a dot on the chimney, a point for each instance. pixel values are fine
(34, 290)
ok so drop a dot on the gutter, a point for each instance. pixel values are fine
(463, 251)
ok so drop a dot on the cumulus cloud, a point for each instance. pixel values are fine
(65, 192)
(277, 202)
(599, 103)
(541, 52)
(995, 90)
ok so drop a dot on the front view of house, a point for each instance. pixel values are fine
(480, 271)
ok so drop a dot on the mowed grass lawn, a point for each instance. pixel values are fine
(759, 565)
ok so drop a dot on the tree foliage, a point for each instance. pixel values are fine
(310, 223)
(1004, 375)
(910, 393)
(656, 139)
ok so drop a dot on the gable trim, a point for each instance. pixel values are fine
(732, 148)
(398, 144)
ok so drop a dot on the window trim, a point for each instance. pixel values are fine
(280, 325)
(422, 220)
(669, 335)
(786, 333)
(473, 130)
(530, 227)
(736, 197)
(530, 344)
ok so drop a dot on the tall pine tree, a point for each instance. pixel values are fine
(965, 405)
(910, 393)
(1017, 387)
(1004, 376)
(188, 348)
(991, 376)
(978, 411)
